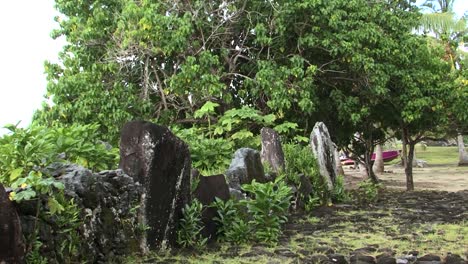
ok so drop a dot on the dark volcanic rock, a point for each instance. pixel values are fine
(11, 236)
(272, 152)
(208, 188)
(245, 167)
(284, 252)
(337, 259)
(454, 259)
(361, 259)
(160, 161)
(324, 152)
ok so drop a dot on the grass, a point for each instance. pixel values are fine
(438, 155)
(434, 155)
(357, 229)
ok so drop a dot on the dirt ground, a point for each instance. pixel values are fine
(436, 177)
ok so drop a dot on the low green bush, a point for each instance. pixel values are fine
(301, 161)
(190, 227)
(367, 192)
(268, 208)
(230, 220)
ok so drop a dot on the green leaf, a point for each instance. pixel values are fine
(15, 174)
(207, 109)
(54, 206)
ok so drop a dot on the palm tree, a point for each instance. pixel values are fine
(447, 28)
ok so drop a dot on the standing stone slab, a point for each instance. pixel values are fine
(160, 161)
(324, 152)
(208, 188)
(272, 152)
(245, 167)
(11, 237)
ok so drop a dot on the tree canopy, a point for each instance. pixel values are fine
(356, 65)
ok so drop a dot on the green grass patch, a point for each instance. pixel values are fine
(438, 155)
(433, 155)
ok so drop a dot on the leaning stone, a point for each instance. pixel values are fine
(324, 152)
(11, 236)
(160, 161)
(245, 167)
(272, 152)
(210, 187)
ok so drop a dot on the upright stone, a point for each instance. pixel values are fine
(324, 152)
(160, 161)
(208, 188)
(245, 167)
(11, 237)
(272, 152)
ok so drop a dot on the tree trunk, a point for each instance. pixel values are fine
(408, 161)
(378, 162)
(462, 155)
(368, 166)
(339, 167)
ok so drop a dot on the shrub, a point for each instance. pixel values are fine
(268, 208)
(189, 232)
(367, 192)
(231, 224)
(300, 160)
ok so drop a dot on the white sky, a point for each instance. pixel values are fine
(25, 44)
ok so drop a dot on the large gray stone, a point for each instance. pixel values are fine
(324, 152)
(108, 225)
(160, 161)
(245, 167)
(11, 236)
(272, 151)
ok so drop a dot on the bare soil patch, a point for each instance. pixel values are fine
(434, 177)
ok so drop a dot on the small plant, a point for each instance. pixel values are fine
(312, 203)
(231, 225)
(268, 208)
(368, 191)
(339, 193)
(301, 161)
(189, 233)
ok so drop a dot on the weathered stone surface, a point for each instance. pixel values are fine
(11, 236)
(324, 152)
(108, 222)
(208, 188)
(245, 167)
(160, 161)
(272, 151)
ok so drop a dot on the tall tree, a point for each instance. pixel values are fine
(451, 31)
(419, 97)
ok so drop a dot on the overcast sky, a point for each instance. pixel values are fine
(25, 44)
